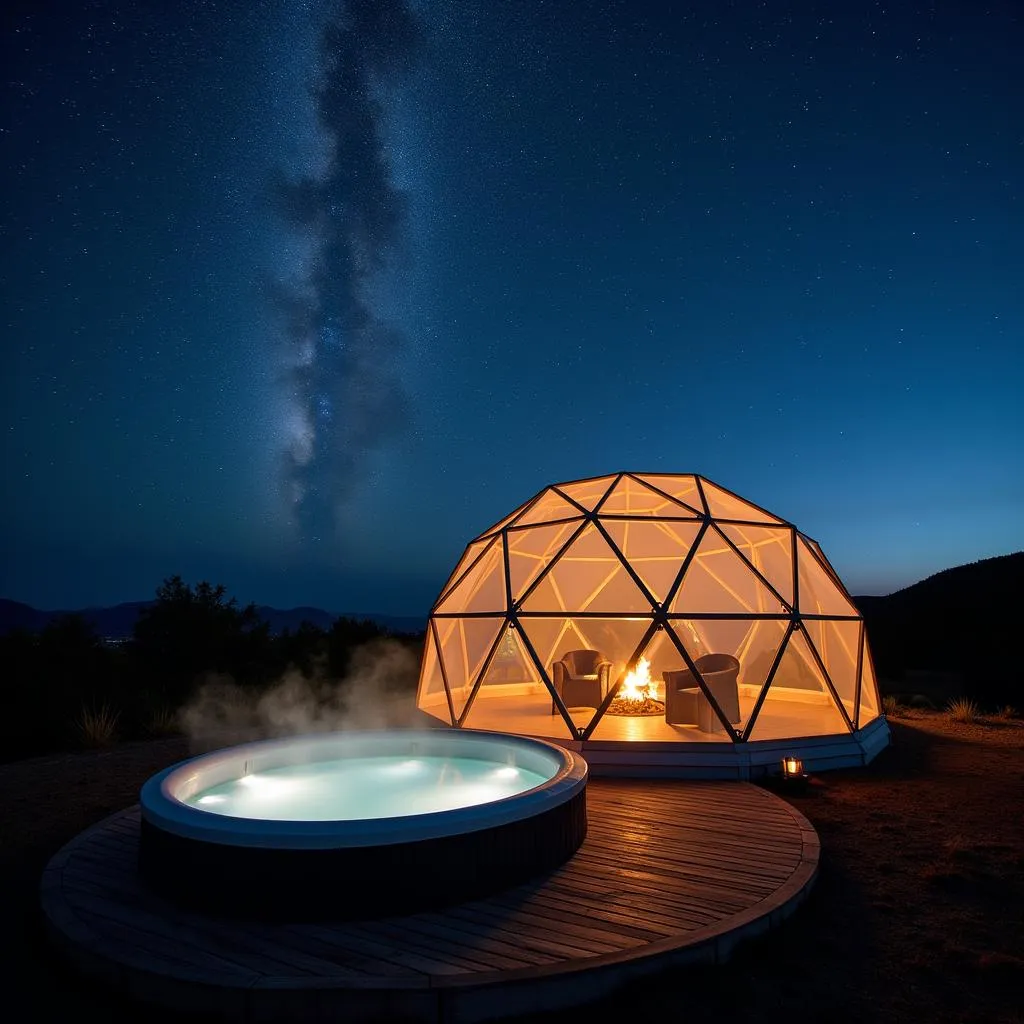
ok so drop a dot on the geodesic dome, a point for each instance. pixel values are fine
(650, 573)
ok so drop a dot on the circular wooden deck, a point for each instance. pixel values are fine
(670, 873)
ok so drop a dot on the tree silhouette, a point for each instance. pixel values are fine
(194, 630)
(344, 637)
(303, 649)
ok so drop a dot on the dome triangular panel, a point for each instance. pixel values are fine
(819, 593)
(754, 643)
(682, 488)
(587, 577)
(473, 551)
(838, 645)
(548, 634)
(655, 549)
(632, 497)
(724, 505)
(481, 588)
(502, 523)
(718, 580)
(797, 683)
(531, 549)
(431, 695)
(465, 644)
(513, 668)
(549, 507)
(587, 493)
(769, 550)
(869, 702)
(815, 547)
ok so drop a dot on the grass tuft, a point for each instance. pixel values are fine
(963, 709)
(97, 726)
(891, 706)
(1007, 712)
(163, 721)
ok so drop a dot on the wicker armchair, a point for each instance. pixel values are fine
(685, 703)
(581, 678)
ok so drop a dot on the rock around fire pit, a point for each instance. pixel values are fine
(640, 706)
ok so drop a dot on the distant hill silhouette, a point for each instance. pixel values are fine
(954, 632)
(961, 623)
(119, 620)
(291, 618)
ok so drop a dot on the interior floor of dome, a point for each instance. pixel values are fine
(780, 719)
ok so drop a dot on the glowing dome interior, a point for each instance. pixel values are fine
(561, 610)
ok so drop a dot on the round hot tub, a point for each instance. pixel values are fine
(360, 824)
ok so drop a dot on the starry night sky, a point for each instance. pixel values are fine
(298, 297)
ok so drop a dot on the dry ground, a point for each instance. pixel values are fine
(918, 914)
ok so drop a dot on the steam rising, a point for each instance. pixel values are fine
(377, 693)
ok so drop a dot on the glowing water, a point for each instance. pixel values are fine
(365, 787)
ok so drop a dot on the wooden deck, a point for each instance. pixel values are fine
(670, 873)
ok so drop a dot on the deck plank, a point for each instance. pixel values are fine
(475, 936)
(667, 866)
(561, 903)
(556, 915)
(699, 864)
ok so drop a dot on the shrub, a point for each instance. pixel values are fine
(1007, 711)
(891, 706)
(97, 726)
(163, 721)
(963, 709)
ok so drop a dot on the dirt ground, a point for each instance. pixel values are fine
(918, 913)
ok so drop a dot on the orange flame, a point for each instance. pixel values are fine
(638, 684)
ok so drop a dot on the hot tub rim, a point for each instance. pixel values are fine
(164, 811)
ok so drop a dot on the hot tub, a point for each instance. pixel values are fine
(361, 824)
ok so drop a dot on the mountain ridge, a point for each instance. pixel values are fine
(117, 621)
(955, 623)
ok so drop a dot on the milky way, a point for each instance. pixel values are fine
(345, 219)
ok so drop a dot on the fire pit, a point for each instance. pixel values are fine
(638, 694)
